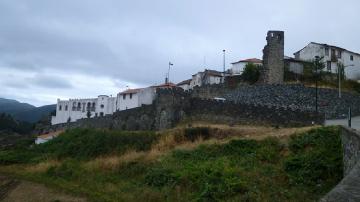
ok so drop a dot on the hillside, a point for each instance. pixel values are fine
(12, 106)
(201, 163)
(24, 111)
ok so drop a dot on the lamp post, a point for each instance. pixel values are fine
(168, 74)
(224, 66)
(340, 68)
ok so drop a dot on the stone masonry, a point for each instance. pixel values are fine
(273, 59)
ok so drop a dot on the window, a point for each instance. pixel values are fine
(351, 57)
(328, 66)
(66, 107)
(339, 54)
(102, 106)
(327, 51)
(124, 96)
(101, 113)
(130, 95)
(60, 108)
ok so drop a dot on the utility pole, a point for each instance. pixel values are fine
(341, 69)
(224, 66)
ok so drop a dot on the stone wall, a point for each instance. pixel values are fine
(173, 106)
(273, 59)
(296, 96)
(239, 113)
(349, 188)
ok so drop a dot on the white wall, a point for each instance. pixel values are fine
(76, 113)
(185, 86)
(312, 50)
(238, 68)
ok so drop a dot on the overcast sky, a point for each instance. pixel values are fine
(64, 49)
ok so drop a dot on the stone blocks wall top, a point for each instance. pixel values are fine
(273, 59)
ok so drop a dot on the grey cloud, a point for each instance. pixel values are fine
(49, 81)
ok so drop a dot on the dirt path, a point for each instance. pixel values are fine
(12, 190)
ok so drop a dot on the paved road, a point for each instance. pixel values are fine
(355, 123)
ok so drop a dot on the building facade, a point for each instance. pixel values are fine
(332, 56)
(133, 98)
(185, 85)
(237, 68)
(74, 109)
(207, 77)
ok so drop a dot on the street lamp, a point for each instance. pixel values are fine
(340, 68)
(223, 66)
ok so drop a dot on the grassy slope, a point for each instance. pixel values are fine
(201, 164)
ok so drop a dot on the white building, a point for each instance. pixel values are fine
(207, 77)
(74, 109)
(332, 56)
(132, 98)
(185, 85)
(237, 68)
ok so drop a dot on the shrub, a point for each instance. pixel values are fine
(251, 73)
(89, 143)
(159, 177)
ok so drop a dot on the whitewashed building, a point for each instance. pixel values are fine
(238, 67)
(132, 98)
(332, 56)
(185, 85)
(207, 77)
(74, 109)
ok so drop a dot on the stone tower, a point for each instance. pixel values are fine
(273, 59)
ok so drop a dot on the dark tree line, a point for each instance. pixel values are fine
(9, 124)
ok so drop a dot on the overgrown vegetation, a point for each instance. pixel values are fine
(240, 170)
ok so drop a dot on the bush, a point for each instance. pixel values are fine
(17, 157)
(89, 143)
(159, 177)
(315, 157)
(68, 170)
(251, 73)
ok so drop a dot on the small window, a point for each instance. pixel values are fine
(130, 95)
(328, 66)
(101, 113)
(351, 57)
(66, 107)
(60, 108)
(327, 51)
(124, 96)
(101, 106)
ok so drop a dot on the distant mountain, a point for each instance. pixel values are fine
(12, 106)
(24, 111)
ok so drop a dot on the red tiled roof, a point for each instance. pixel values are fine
(251, 60)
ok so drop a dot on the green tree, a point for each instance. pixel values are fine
(251, 73)
(88, 114)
